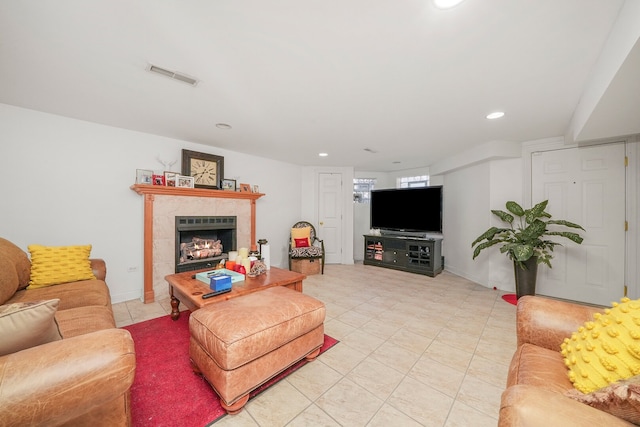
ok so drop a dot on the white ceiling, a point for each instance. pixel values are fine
(294, 78)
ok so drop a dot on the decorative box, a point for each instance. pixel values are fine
(307, 266)
(220, 283)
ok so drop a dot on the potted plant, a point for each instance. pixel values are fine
(525, 242)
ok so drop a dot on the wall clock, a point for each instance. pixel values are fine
(206, 169)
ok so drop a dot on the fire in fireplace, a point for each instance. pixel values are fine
(200, 249)
(202, 241)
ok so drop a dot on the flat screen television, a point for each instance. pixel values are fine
(411, 210)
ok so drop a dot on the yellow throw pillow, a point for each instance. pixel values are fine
(300, 233)
(606, 349)
(53, 265)
(28, 324)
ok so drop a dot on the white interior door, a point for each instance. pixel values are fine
(585, 186)
(330, 215)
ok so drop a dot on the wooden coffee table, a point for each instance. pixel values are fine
(183, 288)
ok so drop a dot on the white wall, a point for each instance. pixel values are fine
(465, 216)
(470, 193)
(624, 35)
(474, 182)
(66, 181)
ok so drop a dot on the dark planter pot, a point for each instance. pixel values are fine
(526, 278)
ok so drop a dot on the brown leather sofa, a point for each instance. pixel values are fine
(84, 379)
(537, 378)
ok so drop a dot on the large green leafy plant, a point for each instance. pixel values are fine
(526, 238)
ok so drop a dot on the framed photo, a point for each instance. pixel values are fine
(207, 170)
(170, 178)
(256, 189)
(185, 181)
(158, 179)
(144, 176)
(228, 184)
(245, 188)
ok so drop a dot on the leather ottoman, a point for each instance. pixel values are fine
(241, 343)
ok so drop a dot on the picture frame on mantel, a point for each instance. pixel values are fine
(158, 179)
(206, 169)
(183, 181)
(228, 184)
(245, 188)
(144, 176)
(170, 178)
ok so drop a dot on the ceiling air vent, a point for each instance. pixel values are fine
(172, 74)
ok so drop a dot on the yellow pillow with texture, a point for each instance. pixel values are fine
(606, 349)
(53, 265)
(300, 233)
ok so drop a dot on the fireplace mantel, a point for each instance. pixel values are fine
(144, 189)
(150, 191)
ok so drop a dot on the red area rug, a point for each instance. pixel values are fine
(510, 298)
(165, 390)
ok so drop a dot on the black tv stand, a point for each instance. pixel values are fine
(413, 254)
(408, 234)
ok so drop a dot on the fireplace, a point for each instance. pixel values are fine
(161, 206)
(202, 241)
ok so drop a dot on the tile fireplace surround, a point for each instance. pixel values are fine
(163, 204)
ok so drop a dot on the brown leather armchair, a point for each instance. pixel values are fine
(537, 378)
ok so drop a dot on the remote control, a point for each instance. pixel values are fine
(213, 294)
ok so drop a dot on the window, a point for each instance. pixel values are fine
(413, 181)
(362, 189)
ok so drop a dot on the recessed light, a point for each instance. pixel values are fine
(495, 115)
(446, 4)
(223, 126)
(323, 154)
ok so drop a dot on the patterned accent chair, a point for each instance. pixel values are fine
(314, 250)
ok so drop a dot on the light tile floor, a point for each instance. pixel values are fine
(413, 351)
